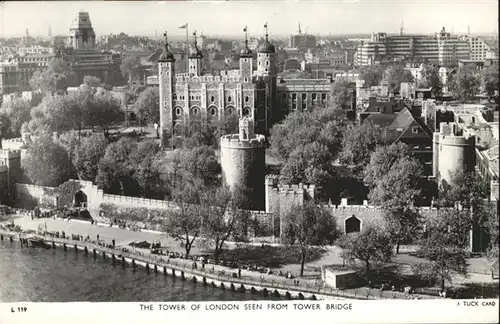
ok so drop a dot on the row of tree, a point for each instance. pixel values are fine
(464, 82)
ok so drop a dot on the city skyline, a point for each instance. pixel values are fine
(222, 18)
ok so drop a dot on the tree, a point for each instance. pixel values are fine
(146, 174)
(371, 245)
(185, 221)
(129, 67)
(302, 128)
(70, 141)
(431, 79)
(308, 227)
(220, 216)
(201, 163)
(47, 163)
(115, 173)
(372, 75)
(88, 155)
(393, 177)
(148, 104)
(106, 111)
(84, 102)
(56, 77)
(92, 81)
(489, 81)
(311, 163)
(342, 94)
(57, 114)
(445, 258)
(465, 84)
(397, 75)
(18, 111)
(359, 142)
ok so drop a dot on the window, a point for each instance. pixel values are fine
(246, 80)
(267, 63)
(266, 69)
(414, 130)
(294, 101)
(247, 99)
(174, 96)
(259, 62)
(304, 101)
(178, 111)
(229, 99)
(212, 99)
(323, 98)
(313, 97)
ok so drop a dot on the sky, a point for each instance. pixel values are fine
(219, 18)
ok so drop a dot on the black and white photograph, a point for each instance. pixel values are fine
(313, 160)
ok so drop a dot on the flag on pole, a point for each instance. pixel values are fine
(183, 26)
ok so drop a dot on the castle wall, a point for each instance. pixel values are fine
(4, 184)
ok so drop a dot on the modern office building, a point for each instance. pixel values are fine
(442, 48)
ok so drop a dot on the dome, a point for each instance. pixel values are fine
(166, 56)
(246, 52)
(267, 47)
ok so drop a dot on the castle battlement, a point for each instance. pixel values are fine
(235, 141)
(207, 79)
(10, 154)
(272, 180)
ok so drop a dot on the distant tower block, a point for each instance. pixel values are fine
(453, 152)
(243, 161)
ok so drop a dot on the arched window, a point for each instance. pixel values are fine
(229, 99)
(266, 69)
(174, 96)
(259, 62)
(247, 99)
(246, 111)
(267, 63)
(230, 111)
(178, 111)
(212, 99)
(195, 113)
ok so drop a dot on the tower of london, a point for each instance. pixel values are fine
(194, 98)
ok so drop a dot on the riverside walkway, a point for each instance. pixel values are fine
(216, 275)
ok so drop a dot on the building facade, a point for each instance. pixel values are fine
(196, 97)
(480, 50)
(443, 49)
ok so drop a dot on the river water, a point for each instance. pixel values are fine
(36, 275)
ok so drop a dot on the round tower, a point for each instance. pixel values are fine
(456, 151)
(243, 162)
